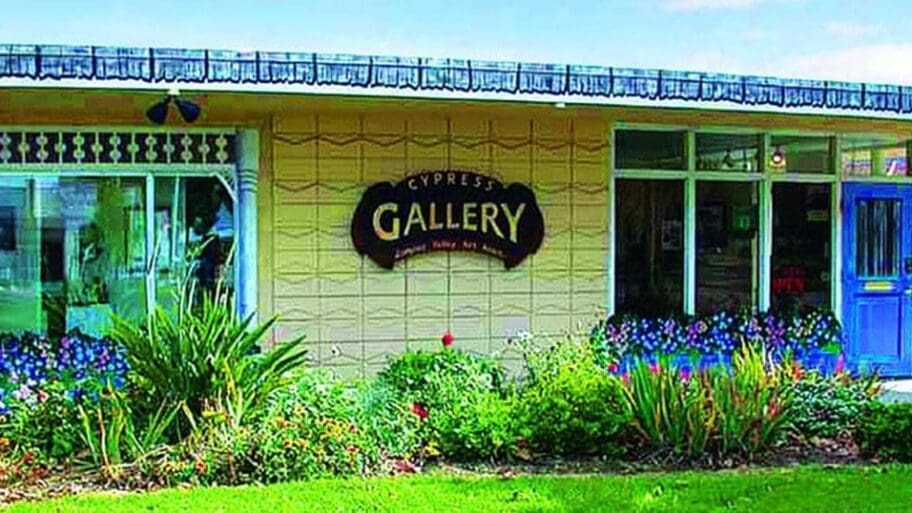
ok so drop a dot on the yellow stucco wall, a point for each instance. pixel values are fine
(355, 313)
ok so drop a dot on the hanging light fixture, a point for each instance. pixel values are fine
(158, 112)
(778, 158)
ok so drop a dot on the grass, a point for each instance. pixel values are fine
(808, 489)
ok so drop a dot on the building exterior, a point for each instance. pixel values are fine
(637, 190)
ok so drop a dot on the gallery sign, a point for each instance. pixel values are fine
(447, 211)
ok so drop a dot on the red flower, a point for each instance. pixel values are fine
(797, 370)
(654, 368)
(419, 410)
(612, 367)
(28, 458)
(447, 339)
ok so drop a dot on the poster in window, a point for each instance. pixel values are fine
(7, 229)
(671, 235)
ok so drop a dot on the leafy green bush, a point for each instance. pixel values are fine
(421, 376)
(570, 406)
(460, 398)
(718, 411)
(829, 406)
(885, 430)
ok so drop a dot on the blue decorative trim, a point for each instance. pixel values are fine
(220, 66)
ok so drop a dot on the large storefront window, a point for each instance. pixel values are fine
(73, 250)
(726, 245)
(801, 245)
(649, 246)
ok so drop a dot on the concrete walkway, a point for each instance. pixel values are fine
(899, 390)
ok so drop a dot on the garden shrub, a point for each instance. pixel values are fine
(568, 405)
(828, 406)
(201, 356)
(459, 397)
(885, 430)
(719, 411)
(306, 430)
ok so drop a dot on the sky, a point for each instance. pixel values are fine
(858, 40)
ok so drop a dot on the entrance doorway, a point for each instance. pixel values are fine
(877, 276)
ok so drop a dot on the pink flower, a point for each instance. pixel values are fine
(419, 410)
(612, 368)
(840, 364)
(685, 374)
(654, 368)
(447, 339)
(42, 396)
(625, 379)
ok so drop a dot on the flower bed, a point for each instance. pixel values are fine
(75, 365)
(815, 338)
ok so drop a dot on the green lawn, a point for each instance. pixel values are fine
(803, 490)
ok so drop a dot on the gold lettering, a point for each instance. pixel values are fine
(468, 214)
(477, 181)
(414, 217)
(411, 184)
(489, 216)
(438, 177)
(432, 219)
(392, 234)
(425, 178)
(464, 180)
(449, 217)
(451, 178)
(513, 218)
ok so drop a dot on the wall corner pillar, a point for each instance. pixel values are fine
(247, 172)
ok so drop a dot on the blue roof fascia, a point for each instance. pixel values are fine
(163, 65)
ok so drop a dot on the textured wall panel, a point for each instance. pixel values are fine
(356, 314)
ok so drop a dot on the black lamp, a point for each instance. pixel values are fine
(158, 112)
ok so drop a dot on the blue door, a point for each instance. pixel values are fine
(877, 276)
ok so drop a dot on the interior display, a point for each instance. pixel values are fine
(726, 245)
(650, 257)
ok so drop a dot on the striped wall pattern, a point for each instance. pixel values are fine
(356, 314)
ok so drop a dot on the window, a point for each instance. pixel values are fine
(726, 245)
(877, 250)
(646, 149)
(728, 152)
(875, 156)
(194, 225)
(800, 154)
(650, 253)
(801, 245)
(73, 249)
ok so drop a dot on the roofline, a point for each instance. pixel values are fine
(150, 68)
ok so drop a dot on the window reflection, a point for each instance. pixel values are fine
(73, 249)
(649, 149)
